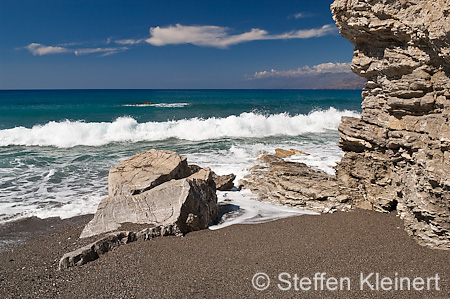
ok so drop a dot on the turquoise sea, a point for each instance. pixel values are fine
(56, 146)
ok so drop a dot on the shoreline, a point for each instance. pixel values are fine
(222, 262)
(21, 231)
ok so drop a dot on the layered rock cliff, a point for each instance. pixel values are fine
(398, 152)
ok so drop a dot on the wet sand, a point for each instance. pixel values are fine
(221, 263)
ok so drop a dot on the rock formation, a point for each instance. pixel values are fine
(224, 182)
(282, 153)
(398, 152)
(110, 242)
(157, 188)
(295, 184)
(397, 155)
(144, 171)
(93, 251)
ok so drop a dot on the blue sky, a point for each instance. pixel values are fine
(166, 44)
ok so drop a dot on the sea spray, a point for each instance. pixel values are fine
(159, 105)
(127, 129)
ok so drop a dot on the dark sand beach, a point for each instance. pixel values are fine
(222, 263)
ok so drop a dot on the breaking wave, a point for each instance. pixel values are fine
(126, 129)
(160, 105)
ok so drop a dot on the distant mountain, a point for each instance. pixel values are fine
(344, 80)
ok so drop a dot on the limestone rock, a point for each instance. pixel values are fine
(110, 242)
(224, 182)
(157, 231)
(92, 251)
(193, 168)
(282, 153)
(188, 203)
(295, 184)
(146, 170)
(397, 153)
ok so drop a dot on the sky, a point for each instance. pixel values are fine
(84, 44)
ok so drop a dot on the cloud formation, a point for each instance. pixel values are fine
(298, 15)
(322, 68)
(129, 41)
(39, 49)
(105, 51)
(219, 37)
(204, 36)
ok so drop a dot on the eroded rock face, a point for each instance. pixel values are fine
(157, 188)
(224, 182)
(282, 153)
(94, 250)
(146, 170)
(295, 184)
(398, 152)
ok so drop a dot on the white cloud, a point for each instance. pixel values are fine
(105, 51)
(129, 41)
(218, 37)
(69, 44)
(39, 49)
(308, 33)
(212, 36)
(300, 15)
(322, 68)
(206, 36)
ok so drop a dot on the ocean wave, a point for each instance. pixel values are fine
(126, 129)
(159, 105)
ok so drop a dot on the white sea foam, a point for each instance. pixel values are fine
(77, 206)
(159, 105)
(243, 208)
(68, 181)
(71, 182)
(323, 154)
(126, 129)
(47, 182)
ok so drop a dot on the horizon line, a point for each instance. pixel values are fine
(55, 89)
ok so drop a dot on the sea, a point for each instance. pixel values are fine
(56, 146)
